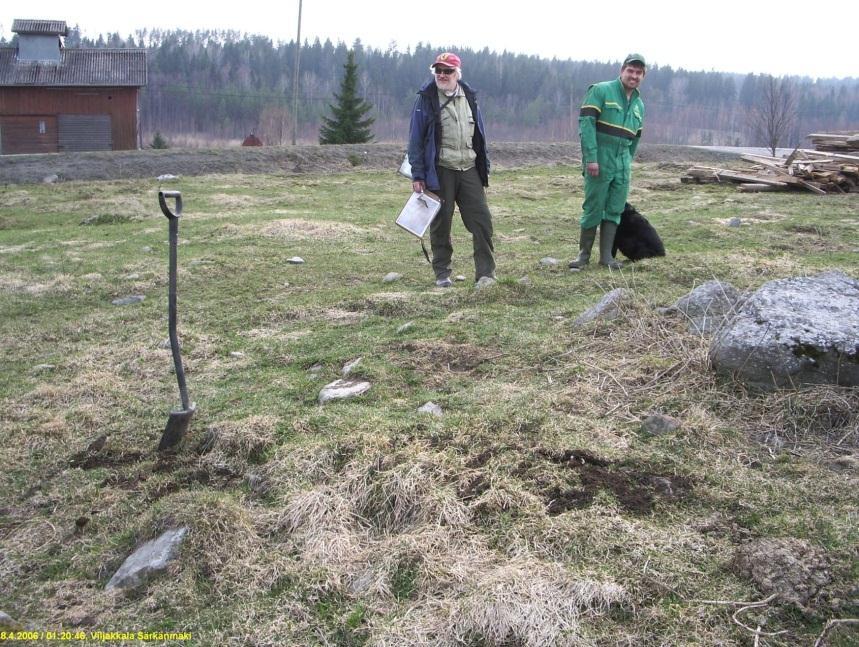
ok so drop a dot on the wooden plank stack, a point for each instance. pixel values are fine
(838, 142)
(804, 170)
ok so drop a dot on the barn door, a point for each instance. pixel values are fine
(84, 133)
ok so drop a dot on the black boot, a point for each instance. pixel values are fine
(586, 241)
(607, 232)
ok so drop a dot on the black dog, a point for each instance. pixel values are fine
(636, 238)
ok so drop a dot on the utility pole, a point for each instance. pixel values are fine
(295, 77)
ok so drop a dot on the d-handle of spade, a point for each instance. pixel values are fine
(179, 420)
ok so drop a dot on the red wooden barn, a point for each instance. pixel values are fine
(54, 99)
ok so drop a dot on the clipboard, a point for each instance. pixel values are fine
(418, 213)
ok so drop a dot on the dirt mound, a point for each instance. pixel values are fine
(791, 568)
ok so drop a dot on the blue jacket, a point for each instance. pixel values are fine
(425, 136)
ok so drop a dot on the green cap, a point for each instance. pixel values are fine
(634, 58)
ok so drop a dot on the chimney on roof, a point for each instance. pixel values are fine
(39, 40)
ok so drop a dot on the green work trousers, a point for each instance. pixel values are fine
(605, 196)
(465, 190)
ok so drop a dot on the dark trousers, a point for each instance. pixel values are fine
(464, 189)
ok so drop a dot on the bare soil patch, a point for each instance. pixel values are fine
(637, 490)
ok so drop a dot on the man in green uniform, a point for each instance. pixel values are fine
(610, 122)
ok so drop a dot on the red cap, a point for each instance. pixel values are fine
(448, 59)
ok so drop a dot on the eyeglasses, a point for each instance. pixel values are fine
(444, 71)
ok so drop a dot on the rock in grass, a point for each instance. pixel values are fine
(44, 368)
(342, 390)
(459, 277)
(735, 222)
(608, 308)
(709, 306)
(148, 560)
(524, 281)
(432, 408)
(295, 260)
(658, 425)
(548, 261)
(390, 277)
(350, 366)
(484, 282)
(405, 327)
(793, 332)
(129, 300)
(50, 179)
(8, 623)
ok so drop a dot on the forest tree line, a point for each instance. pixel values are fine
(222, 85)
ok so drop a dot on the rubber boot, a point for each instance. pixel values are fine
(607, 232)
(586, 241)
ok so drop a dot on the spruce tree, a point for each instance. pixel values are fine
(348, 124)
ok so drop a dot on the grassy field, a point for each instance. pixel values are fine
(533, 512)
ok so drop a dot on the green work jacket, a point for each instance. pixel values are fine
(610, 126)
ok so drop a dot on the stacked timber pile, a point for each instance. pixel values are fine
(838, 142)
(804, 170)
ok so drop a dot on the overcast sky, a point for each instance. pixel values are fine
(725, 36)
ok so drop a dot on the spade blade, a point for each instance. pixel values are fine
(177, 425)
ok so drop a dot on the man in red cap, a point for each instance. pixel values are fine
(447, 151)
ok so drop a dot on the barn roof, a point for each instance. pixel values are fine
(40, 27)
(77, 67)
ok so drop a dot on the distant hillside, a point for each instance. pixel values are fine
(206, 86)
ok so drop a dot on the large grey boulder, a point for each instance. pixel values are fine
(150, 558)
(793, 332)
(708, 306)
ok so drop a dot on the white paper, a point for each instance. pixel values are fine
(418, 213)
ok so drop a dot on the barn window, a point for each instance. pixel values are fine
(43, 128)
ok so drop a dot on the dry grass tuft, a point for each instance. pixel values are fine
(30, 540)
(19, 284)
(392, 493)
(340, 317)
(248, 439)
(809, 417)
(521, 602)
(322, 528)
(77, 603)
(661, 365)
(222, 544)
(315, 510)
(291, 468)
(300, 229)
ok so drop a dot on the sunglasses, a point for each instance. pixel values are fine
(444, 71)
